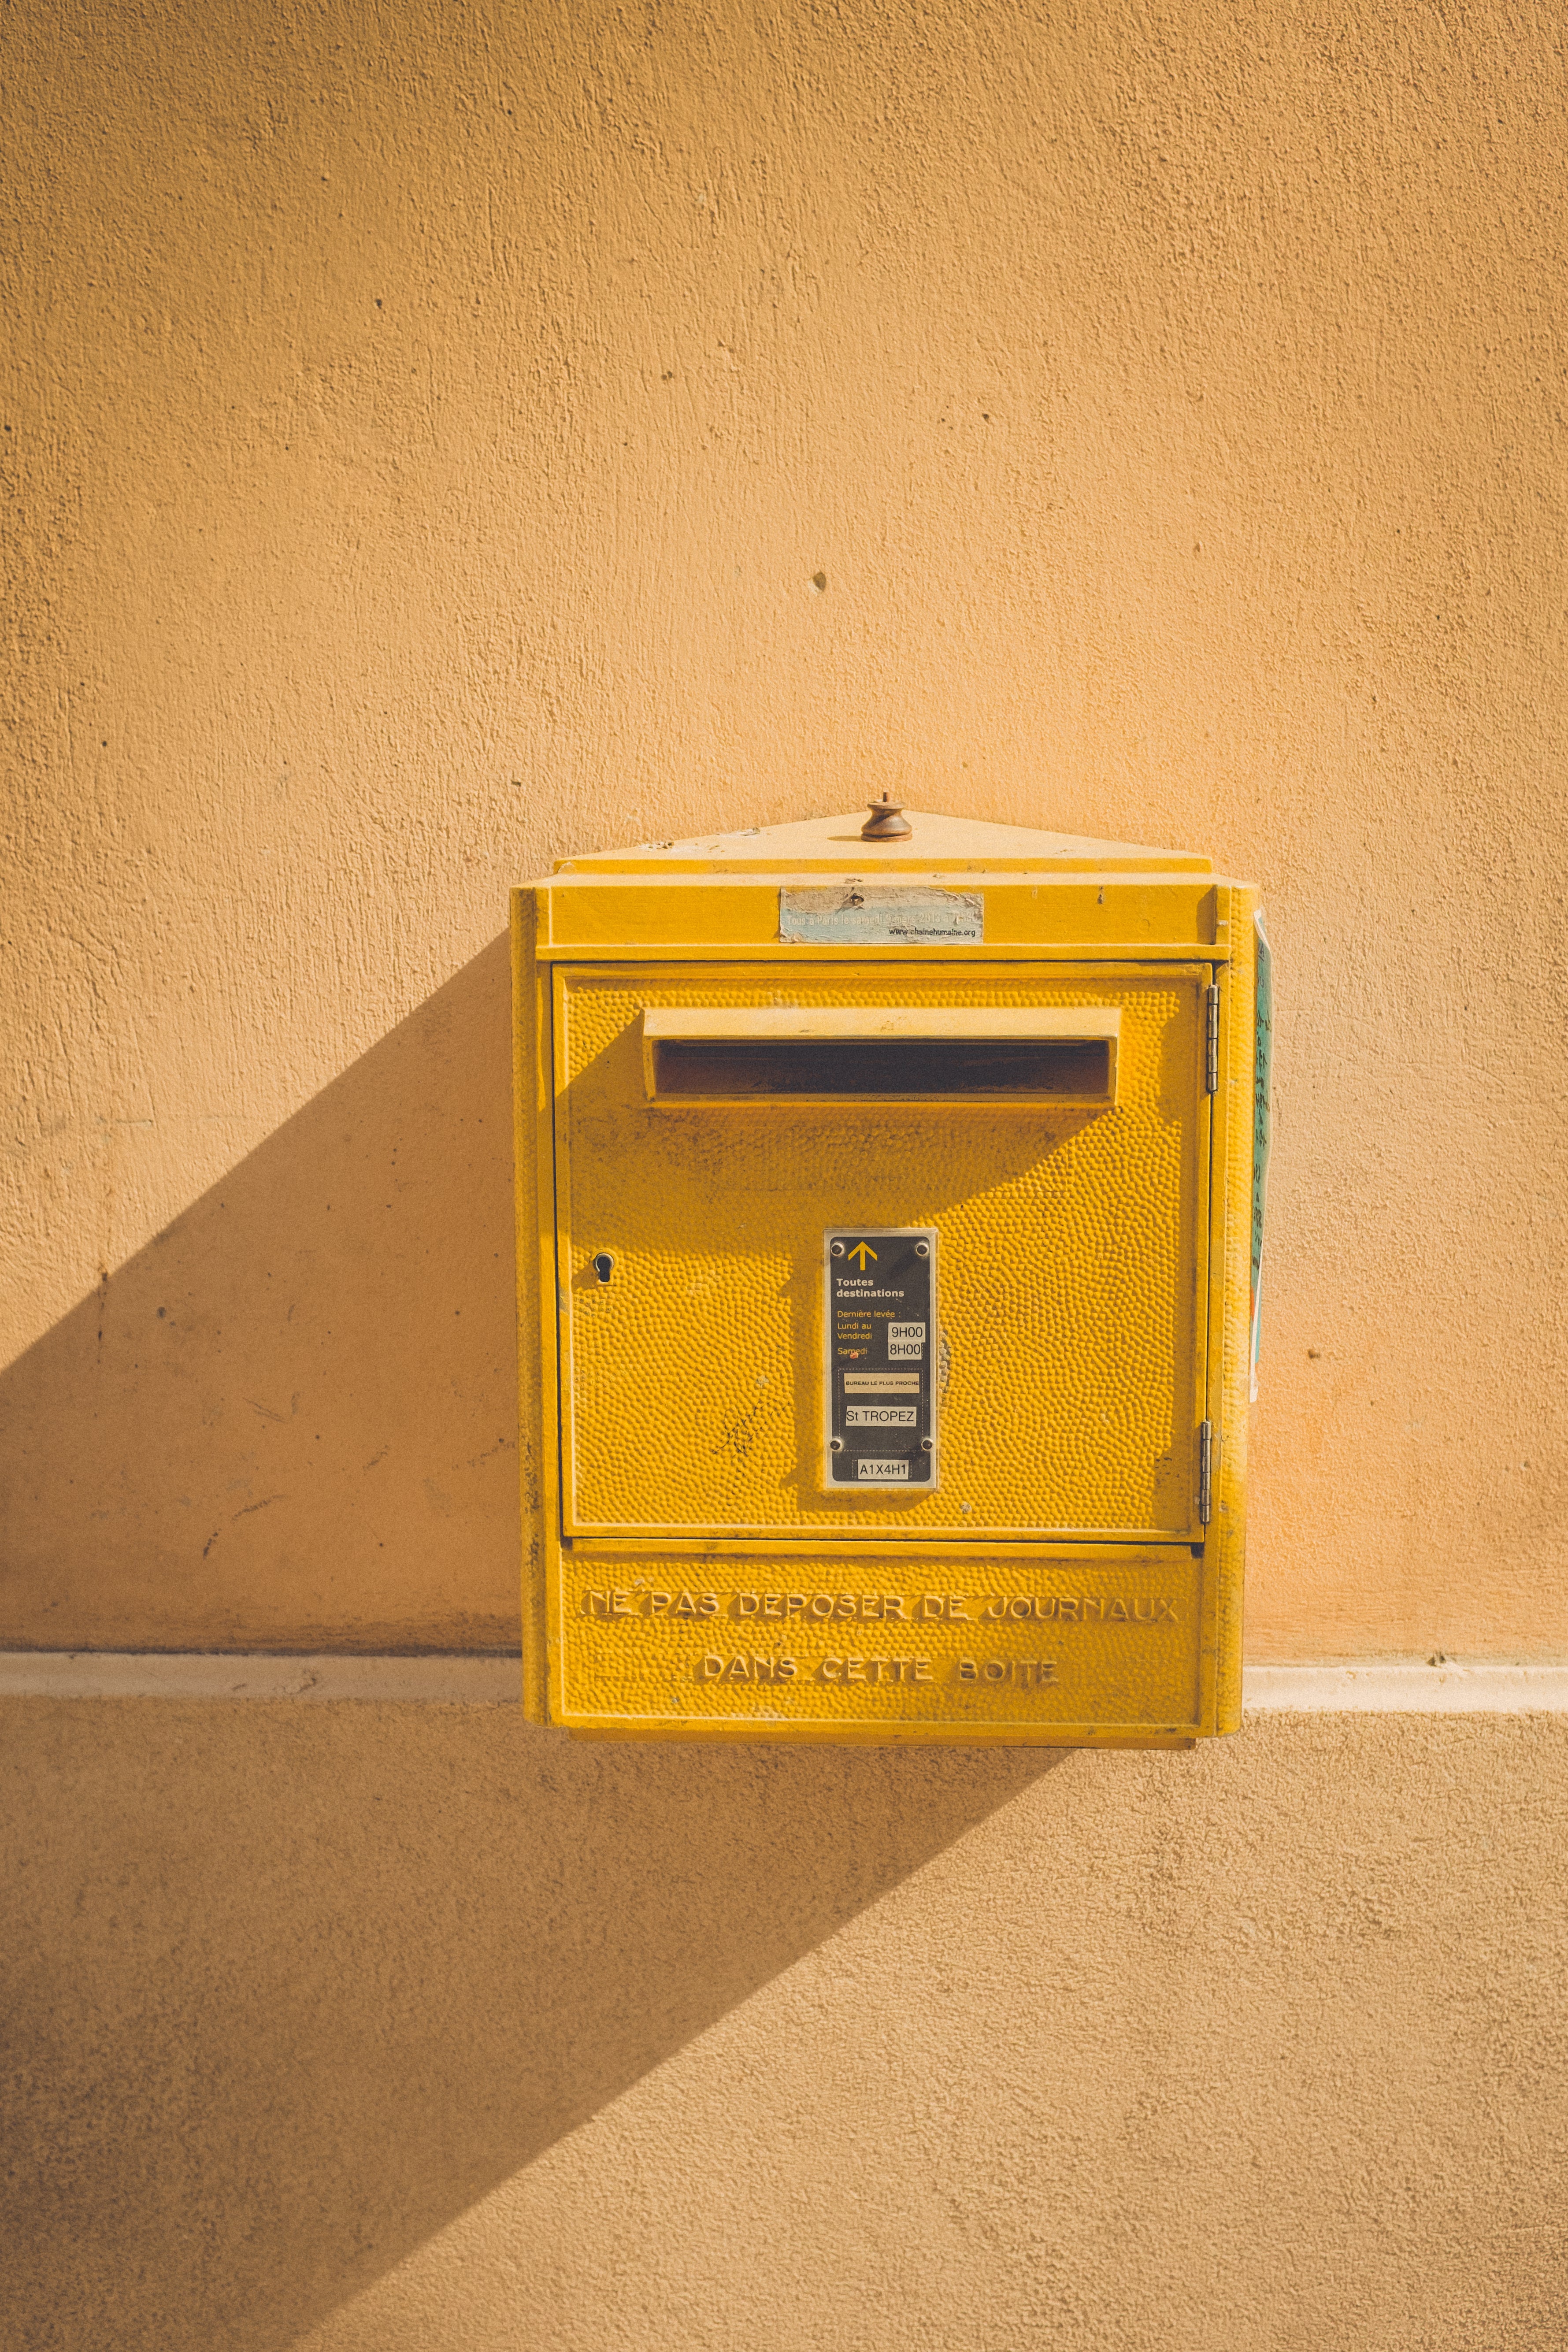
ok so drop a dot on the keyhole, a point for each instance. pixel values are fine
(603, 1263)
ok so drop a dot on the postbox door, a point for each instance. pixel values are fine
(1049, 1126)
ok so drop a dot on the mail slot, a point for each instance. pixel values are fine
(903, 1053)
(885, 1235)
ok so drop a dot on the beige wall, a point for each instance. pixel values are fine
(410, 2030)
(426, 424)
(422, 427)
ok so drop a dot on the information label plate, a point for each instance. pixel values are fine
(880, 1357)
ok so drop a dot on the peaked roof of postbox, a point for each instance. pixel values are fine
(938, 845)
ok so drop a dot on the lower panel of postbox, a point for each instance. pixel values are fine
(1103, 1645)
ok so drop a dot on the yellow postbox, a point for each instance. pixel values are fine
(885, 1223)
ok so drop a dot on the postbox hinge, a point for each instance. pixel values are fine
(1206, 1473)
(1211, 1064)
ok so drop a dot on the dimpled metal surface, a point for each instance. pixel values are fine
(1071, 1284)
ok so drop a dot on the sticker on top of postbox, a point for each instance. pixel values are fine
(879, 1361)
(850, 914)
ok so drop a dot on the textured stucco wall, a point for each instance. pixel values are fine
(423, 426)
(410, 2030)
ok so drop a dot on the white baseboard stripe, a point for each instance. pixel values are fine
(1407, 1686)
(1373, 1686)
(462, 1681)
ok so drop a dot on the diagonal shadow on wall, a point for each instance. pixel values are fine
(291, 1987)
(290, 1422)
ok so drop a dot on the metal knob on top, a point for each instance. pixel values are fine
(887, 822)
